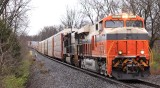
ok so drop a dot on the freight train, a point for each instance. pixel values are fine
(116, 46)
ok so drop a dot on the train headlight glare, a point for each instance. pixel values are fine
(120, 52)
(142, 52)
(125, 16)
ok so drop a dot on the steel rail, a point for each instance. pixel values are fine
(148, 83)
(107, 79)
(129, 84)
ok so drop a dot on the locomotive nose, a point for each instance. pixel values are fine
(132, 47)
(130, 41)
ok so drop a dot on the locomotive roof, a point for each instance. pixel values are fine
(122, 16)
(65, 31)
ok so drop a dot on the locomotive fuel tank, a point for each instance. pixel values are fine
(90, 64)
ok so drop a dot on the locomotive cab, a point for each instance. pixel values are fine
(127, 46)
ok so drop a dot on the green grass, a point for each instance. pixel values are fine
(155, 66)
(20, 78)
(13, 82)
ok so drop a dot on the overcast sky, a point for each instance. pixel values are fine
(47, 13)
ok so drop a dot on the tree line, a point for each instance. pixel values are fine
(13, 22)
(91, 11)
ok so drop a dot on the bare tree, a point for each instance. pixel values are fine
(48, 32)
(3, 4)
(12, 20)
(72, 18)
(87, 10)
(45, 33)
(95, 10)
(150, 11)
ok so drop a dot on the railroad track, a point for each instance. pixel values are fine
(128, 84)
(144, 83)
(149, 84)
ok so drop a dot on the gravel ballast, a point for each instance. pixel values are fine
(46, 73)
(155, 79)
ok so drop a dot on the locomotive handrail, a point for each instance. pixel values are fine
(108, 57)
(110, 48)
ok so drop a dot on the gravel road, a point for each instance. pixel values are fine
(46, 73)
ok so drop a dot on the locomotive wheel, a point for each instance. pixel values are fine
(82, 64)
(102, 70)
(79, 61)
(64, 59)
(72, 60)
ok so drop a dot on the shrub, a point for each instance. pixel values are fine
(155, 66)
(19, 79)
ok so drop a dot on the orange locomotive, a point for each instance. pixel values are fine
(116, 46)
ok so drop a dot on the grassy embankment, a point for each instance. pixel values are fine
(14, 81)
(155, 66)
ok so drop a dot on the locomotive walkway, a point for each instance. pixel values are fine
(46, 73)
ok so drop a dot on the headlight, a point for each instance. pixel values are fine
(142, 52)
(120, 52)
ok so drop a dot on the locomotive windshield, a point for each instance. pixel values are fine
(134, 23)
(114, 24)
